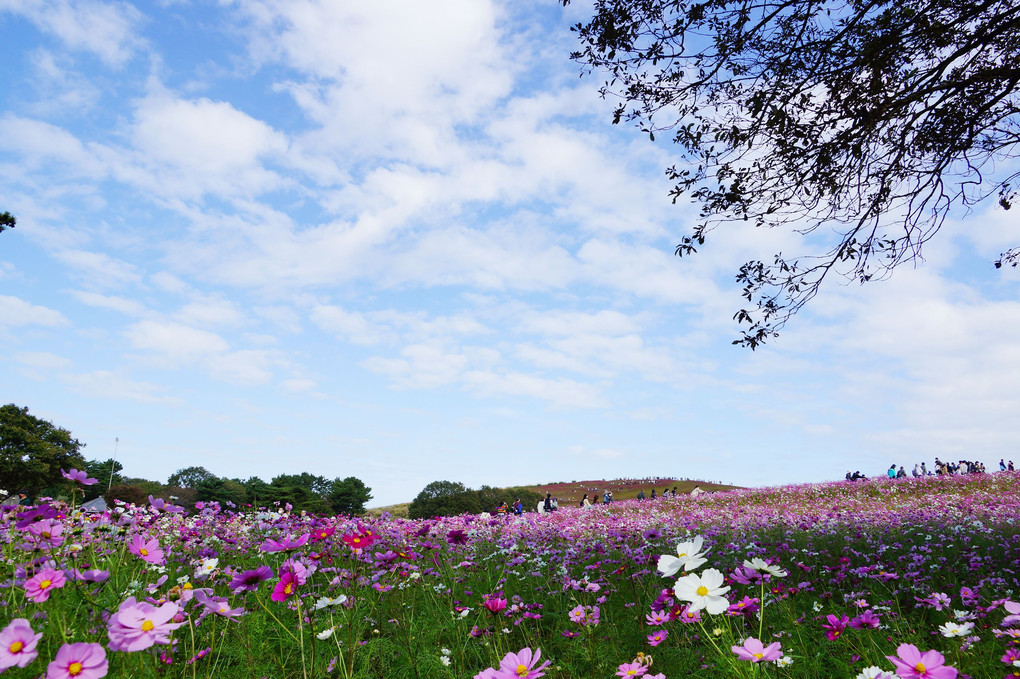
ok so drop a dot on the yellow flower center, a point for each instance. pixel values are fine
(682, 554)
(45, 583)
(187, 585)
(287, 589)
(759, 656)
(74, 669)
(323, 534)
(16, 647)
(702, 591)
(147, 625)
(46, 534)
(919, 667)
(522, 671)
(143, 551)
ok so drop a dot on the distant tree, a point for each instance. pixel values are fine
(106, 472)
(860, 123)
(127, 492)
(310, 482)
(154, 488)
(349, 496)
(444, 498)
(33, 451)
(7, 221)
(222, 491)
(190, 477)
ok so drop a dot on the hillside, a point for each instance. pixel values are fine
(572, 492)
(623, 489)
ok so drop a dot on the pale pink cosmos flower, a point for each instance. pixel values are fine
(631, 669)
(657, 637)
(79, 476)
(754, 651)
(139, 625)
(78, 661)
(47, 533)
(17, 644)
(912, 664)
(148, 550)
(39, 586)
(522, 665)
(1014, 609)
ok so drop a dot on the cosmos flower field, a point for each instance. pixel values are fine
(915, 579)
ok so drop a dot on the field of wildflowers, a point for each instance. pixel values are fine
(915, 579)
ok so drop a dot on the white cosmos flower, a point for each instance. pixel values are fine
(325, 601)
(875, 673)
(325, 634)
(704, 591)
(689, 556)
(951, 629)
(763, 566)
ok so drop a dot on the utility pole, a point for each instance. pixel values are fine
(113, 463)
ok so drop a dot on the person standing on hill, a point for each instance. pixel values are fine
(547, 505)
(892, 471)
(652, 497)
(641, 495)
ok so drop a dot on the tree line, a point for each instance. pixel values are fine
(451, 498)
(33, 452)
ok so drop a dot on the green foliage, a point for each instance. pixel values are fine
(862, 124)
(7, 221)
(106, 472)
(349, 496)
(190, 477)
(310, 482)
(33, 451)
(449, 498)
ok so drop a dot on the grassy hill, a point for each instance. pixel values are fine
(571, 492)
(623, 489)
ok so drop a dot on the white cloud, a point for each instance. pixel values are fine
(42, 360)
(191, 147)
(107, 29)
(115, 386)
(175, 342)
(16, 312)
(127, 307)
(98, 269)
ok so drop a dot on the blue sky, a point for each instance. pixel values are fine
(402, 241)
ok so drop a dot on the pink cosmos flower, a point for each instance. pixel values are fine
(522, 665)
(754, 651)
(47, 533)
(78, 661)
(631, 669)
(657, 637)
(1014, 609)
(912, 664)
(17, 644)
(287, 544)
(285, 588)
(834, 626)
(139, 625)
(148, 550)
(39, 586)
(494, 603)
(81, 477)
(866, 619)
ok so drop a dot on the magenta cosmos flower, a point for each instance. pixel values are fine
(148, 550)
(138, 625)
(39, 586)
(912, 664)
(17, 644)
(522, 665)
(79, 476)
(78, 661)
(285, 588)
(658, 637)
(754, 651)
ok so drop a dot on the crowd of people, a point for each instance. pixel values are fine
(939, 469)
